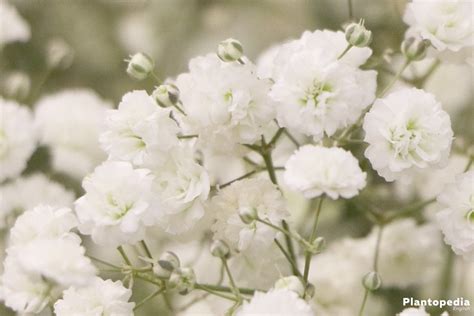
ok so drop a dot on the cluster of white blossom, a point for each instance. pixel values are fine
(69, 123)
(305, 123)
(13, 28)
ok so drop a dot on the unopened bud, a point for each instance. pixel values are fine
(317, 245)
(357, 35)
(248, 214)
(372, 281)
(17, 85)
(230, 50)
(166, 95)
(169, 261)
(220, 249)
(183, 280)
(59, 54)
(415, 48)
(140, 66)
(291, 283)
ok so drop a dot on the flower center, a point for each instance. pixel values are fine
(406, 139)
(117, 209)
(317, 93)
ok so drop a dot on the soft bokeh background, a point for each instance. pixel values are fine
(102, 33)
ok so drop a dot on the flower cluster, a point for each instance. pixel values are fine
(279, 187)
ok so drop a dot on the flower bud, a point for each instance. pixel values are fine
(140, 66)
(317, 245)
(230, 50)
(372, 281)
(59, 54)
(291, 283)
(357, 35)
(166, 95)
(415, 48)
(169, 261)
(248, 215)
(17, 85)
(220, 249)
(183, 280)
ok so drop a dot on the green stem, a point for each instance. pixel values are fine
(289, 244)
(104, 262)
(348, 47)
(187, 136)
(364, 301)
(410, 210)
(248, 174)
(234, 287)
(308, 255)
(214, 292)
(267, 158)
(124, 255)
(374, 267)
(297, 237)
(40, 83)
(276, 137)
(291, 137)
(294, 267)
(221, 288)
(149, 297)
(351, 10)
(395, 78)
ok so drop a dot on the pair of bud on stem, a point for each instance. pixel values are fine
(140, 66)
(413, 48)
(168, 268)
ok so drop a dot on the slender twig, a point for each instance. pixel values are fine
(187, 136)
(351, 9)
(233, 286)
(374, 267)
(308, 254)
(214, 292)
(276, 137)
(295, 236)
(348, 47)
(289, 245)
(221, 288)
(248, 174)
(104, 262)
(291, 137)
(147, 250)
(124, 255)
(149, 297)
(294, 267)
(395, 78)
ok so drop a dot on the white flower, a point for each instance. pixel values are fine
(115, 208)
(27, 192)
(225, 103)
(457, 219)
(17, 138)
(403, 262)
(276, 303)
(43, 222)
(138, 128)
(316, 93)
(69, 123)
(420, 311)
(43, 258)
(99, 298)
(258, 195)
(23, 291)
(61, 260)
(12, 26)
(407, 129)
(315, 170)
(180, 187)
(447, 24)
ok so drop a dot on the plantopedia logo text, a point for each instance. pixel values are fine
(459, 304)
